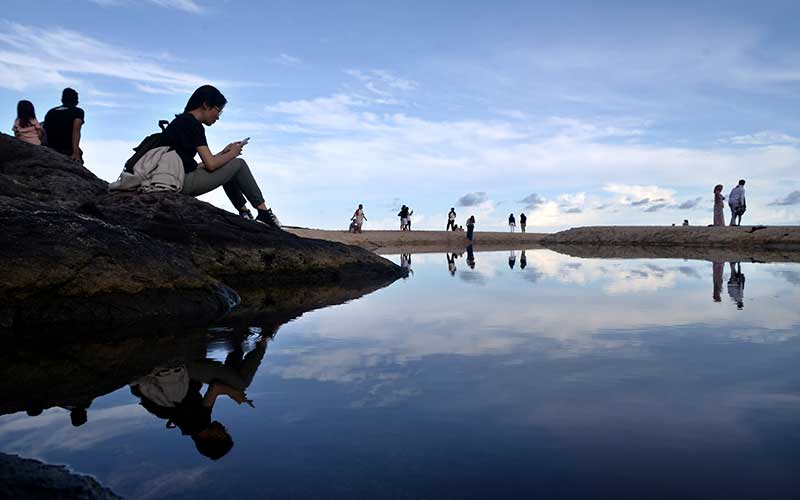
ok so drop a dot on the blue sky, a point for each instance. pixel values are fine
(576, 114)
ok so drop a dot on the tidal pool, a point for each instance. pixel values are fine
(492, 375)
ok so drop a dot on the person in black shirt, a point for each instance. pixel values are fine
(187, 137)
(523, 221)
(63, 126)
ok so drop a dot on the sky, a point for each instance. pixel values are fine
(575, 113)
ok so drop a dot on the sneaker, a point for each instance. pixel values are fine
(268, 218)
(246, 214)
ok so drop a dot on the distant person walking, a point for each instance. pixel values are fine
(26, 127)
(470, 227)
(523, 221)
(512, 223)
(63, 125)
(737, 203)
(358, 217)
(451, 220)
(719, 206)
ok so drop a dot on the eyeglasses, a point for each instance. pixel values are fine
(219, 110)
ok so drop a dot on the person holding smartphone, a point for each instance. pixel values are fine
(186, 136)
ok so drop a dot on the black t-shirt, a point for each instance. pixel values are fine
(58, 126)
(523, 219)
(185, 134)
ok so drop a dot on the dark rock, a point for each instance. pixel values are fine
(75, 255)
(32, 479)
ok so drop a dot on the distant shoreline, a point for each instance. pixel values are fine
(744, 243)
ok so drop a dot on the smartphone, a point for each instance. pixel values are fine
(245, 141)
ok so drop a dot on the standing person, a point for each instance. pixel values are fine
(719, 206)
(470, 227)
(63, 125)
(187, 137)
(717, 269)
(451, 220)
(26, 127)
(512, 224)
(512, 259)
(403, 214)
(359, 217)
(470, 257)
(736, 285)
(451, 263)
(522, 221)
(408, 218)
(523, 260)
(737, 203)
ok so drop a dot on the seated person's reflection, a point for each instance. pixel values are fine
(77, 412)
(523, 260)
(512, 259)
(717, 269)
(451, 263)
(470, 257)
(736, 285)
(174, 394)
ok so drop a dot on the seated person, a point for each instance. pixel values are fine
(186, 135)
(62, 126)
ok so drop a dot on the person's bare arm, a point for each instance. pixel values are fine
(212, 162)
(77, 123)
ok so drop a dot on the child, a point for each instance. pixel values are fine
(26, 126)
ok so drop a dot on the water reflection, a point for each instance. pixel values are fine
(557, 378)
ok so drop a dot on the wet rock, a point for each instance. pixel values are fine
(75, 255)
(32, 479)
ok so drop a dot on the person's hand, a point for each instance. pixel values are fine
(234, 147)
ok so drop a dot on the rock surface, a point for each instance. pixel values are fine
(31, 479)
(77, 256)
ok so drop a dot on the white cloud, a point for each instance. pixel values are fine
(287, 60)
(762, 138)
(183, 5)
(52, 57)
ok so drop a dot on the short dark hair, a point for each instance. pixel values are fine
(69, 97)
(25, 113)
(208, 95)
(215, 445)
(741, 182)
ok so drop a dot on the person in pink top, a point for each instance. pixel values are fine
(26, 126)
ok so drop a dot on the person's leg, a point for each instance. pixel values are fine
(201, 181)
(234, 193)
(733, 216)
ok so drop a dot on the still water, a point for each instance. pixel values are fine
(494, 375)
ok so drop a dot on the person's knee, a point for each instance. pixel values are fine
(237, 164)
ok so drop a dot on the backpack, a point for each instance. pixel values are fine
(152, 141)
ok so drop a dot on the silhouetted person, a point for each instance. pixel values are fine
(512, 223)
(26, 127)
(717, 270)
(470, 257)
(736, 285)
(512, 259)
(405, 263)
(470, 227)
(451, 220)
(523, 221)
(404, 215)
(719, 206)
(451, 263)
(523, 260)
(63, 125)
(737, 203)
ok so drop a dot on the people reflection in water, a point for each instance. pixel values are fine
(451, 263)
(717, 269)
(736, 285)
(405, 263)
(512, 259)
(174, 394)
(470, 257)
(523, 260)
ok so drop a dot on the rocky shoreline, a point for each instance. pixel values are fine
(80, 258)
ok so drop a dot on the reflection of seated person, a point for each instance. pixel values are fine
(174, 394)
(736, 285)
(451, 263)
(523, 260)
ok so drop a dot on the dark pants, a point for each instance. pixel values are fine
(470, 228)
(451, 225)
(234, 177)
